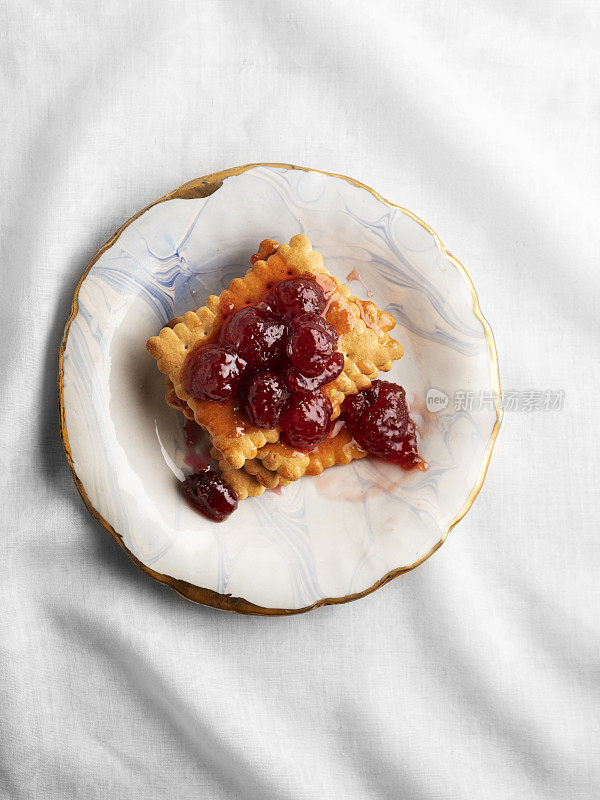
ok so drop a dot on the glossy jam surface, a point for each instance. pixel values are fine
(197, 447)
(209, 494)
(257, 338)
(311, 343)
(306, 421)
(379, 420)
(266, 398)
(214, 372)
(274, 357)
(297, 382)
(296, 296)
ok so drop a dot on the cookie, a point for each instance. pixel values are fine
(292, 464)
(243, 483)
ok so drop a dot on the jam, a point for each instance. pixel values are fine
(208, 493)
(311, 343)
(205, 490)
(266, 398)
(379, 420)
(297, 382)
(274, 357)
(307, 420)
(257, 337)
(214, 372)
(297, 296)
(196, 449)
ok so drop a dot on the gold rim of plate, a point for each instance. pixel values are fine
(203, 187)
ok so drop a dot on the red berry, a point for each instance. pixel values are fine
(296, 296)
(296, 382)
(213, 373)
(265, 307)
(310, 344)
(354, 405)
(319, 322)
(266, 397)
(257, 337)
(378, 419)
(306, 422)
(209, 493)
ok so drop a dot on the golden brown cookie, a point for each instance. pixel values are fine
(242, 483)
(264, 476)
(292, 464)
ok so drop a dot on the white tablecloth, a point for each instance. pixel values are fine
(476, 676)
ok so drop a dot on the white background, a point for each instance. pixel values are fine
(476, 676)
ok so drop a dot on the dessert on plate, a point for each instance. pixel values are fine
(280, 370)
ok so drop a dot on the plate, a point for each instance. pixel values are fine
(322, 540)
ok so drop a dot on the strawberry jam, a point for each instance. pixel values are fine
(209, 494)
(214, 373)
(257, 337)
(297, 296)
(311, 344)
(266, 398)
(307, 420)
(274, 358)
(378, 419)
(297, 382)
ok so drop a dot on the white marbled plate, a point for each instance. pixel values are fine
(332, 536)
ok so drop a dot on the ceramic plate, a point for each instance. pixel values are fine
(326, 539)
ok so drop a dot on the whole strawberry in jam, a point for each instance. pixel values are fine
(266, 396)
(213, 373)
(306, 422)
(311, 344)
(379, 420)
(296, 296)
(258, 337)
